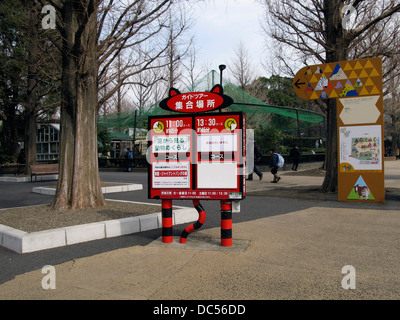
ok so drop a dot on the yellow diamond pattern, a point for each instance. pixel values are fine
(353, 71)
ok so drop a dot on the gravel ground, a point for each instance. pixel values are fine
(38, 218)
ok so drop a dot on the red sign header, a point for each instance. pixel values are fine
(194, 102)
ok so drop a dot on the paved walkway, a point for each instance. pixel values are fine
(392, 179)
(296, 255)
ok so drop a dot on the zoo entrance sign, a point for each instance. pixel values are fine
(197, 154)
(357, 86)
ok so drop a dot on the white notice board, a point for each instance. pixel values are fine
(221, 175)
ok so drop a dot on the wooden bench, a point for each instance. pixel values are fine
(16, 169)
(43, 169)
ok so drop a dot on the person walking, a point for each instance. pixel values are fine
(273, 164)
(128, 160)
(257, 157)
(295, 155)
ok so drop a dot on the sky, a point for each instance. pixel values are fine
(219, 27)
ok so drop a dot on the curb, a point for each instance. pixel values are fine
(24, 242)
(119, 188)
(49, 177)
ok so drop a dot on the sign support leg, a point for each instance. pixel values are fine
(166, 213)
(226, 223)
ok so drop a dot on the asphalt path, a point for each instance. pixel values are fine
(20, 194)
(252, 208)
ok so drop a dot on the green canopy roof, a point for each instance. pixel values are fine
(242, 102)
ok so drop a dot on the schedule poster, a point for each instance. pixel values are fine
(197, 156)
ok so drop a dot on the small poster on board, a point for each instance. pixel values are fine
(361, 147)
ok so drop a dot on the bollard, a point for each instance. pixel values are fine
(226, 223)
(166, 212)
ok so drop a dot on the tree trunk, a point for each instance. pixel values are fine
(30, 140)
(32, 84)
(10, 132)
(395, 132)
(336, 50)
(331, 175)
(79, 183)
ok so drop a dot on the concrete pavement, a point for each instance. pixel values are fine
(296, 255)
(299, 255)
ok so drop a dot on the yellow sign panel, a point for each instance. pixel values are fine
(357, 85)
(339, 79)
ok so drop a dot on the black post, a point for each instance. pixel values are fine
(134, 138)
(221, 67)
(298, 130)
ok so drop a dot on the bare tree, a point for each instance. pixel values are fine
(164, 71)
(242, 68)
(150, 43)
(41, 73)
(174, 54)
(191, 75)
(392, 108)
(32, 88)
(94, 33)
(148, 82)
(311, 31)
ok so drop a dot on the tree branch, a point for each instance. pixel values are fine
(354, 34)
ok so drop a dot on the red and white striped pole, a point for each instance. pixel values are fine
(226, 223)
(166, 213)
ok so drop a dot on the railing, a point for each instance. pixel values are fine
(122, 163)
(15, 169)
(142, 163)
(318, 157)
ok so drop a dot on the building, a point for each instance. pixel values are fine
(47, 141)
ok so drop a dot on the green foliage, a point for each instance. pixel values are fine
(13, 53)
(104, 141)
(283, 122)
(4, 157)
(267, 138)
(280, 92)
(307, 144)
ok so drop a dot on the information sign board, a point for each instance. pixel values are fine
(195, 156)
(357, 86)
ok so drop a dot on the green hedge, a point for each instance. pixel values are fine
(268, 137)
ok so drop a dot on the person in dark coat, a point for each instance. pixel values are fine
(128, 159)
(257, 157)
(273, 164)
(295, 155)
(21, 157)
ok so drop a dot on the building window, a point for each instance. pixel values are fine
(47, 143)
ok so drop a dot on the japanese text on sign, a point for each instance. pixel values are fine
(169, 143)
(171, 175)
